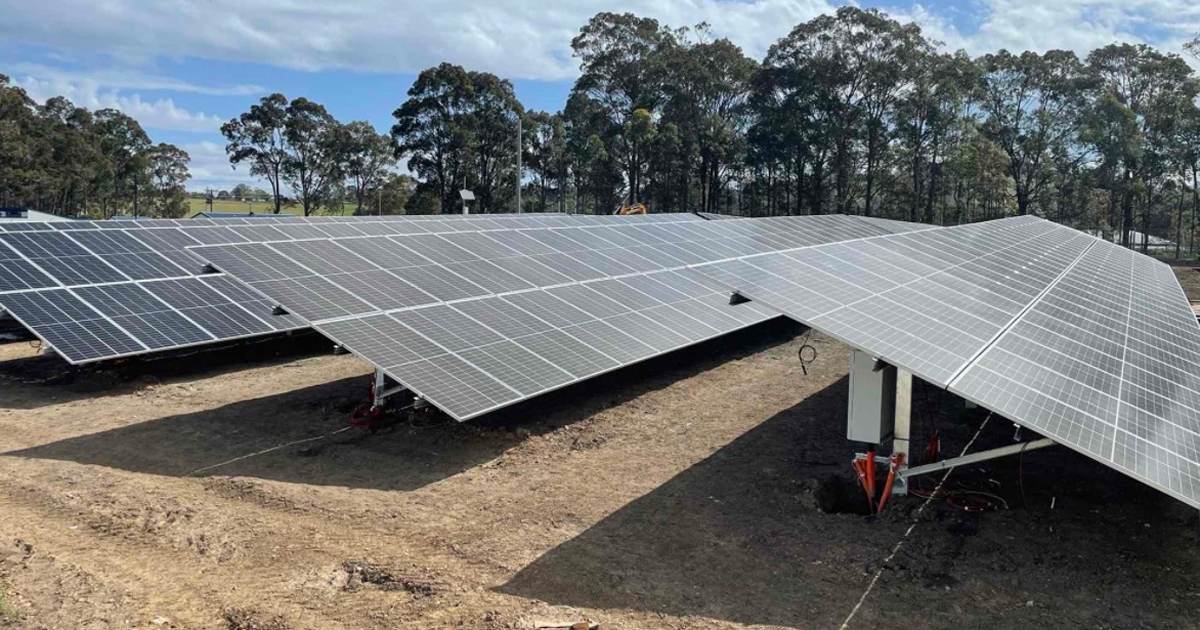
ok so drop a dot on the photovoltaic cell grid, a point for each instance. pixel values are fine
(94, 266)
(474, 321)
(1081, 340)
(1110, 359)
(341, 277)
(474, 356)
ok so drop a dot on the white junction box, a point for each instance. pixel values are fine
(871, 412)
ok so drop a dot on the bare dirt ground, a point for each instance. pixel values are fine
(692, 491)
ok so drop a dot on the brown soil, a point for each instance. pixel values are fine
(687, 492)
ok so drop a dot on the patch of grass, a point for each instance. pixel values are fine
(196, 204)
(8, 611)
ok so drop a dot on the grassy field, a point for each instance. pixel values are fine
(257, 207)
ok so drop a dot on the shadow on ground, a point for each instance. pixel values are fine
(414, 452)
(744, 531)
(50, 380)
(741, 527)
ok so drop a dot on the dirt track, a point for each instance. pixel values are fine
(683, 493)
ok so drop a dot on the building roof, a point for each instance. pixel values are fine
(24, 214)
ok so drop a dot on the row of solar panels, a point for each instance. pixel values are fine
(51, 279)
(1090, 344)
(564, 303)
(1081, 340)
(60, 263)
(540, 219)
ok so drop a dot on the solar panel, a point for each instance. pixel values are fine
(1090, 344)
(566, 302)
(103, 261)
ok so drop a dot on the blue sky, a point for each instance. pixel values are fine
(182, 67)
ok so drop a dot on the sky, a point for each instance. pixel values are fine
(182, 67)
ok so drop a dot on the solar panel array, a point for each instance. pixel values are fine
(473, 321)
(97, 290)
(1083, 341)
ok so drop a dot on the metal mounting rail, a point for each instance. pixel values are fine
(981, 456)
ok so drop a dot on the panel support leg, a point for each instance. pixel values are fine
(382, 391)
(900, 431)
(380, 386)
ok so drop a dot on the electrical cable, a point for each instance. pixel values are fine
(916, 518)
(807, 353)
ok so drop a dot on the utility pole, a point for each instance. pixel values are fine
(519, 162)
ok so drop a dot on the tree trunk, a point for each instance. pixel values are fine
(872, 136)
(931, 193)
(1179, 223)
(1195, 205)
(818, 193)
(1126, 209)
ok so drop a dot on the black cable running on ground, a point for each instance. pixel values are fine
(916, 518)
(807, 352)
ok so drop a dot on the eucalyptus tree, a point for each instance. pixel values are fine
(257, 137)
(596, 176)
(365, 158)
(546, 155)
(1189, 140)
(707, 92)
(123, 142)
(168, 169)
(458, 130)
(623, 68)
(857, 63)
(1031, 104)
(1149, 90)
(927, 119)
(311, 167)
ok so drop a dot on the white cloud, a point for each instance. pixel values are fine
(512, 38)
(517, 39)
(1077, 25)
(156, 114)
(210, 168)
(129, 79)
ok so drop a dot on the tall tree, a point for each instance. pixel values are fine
(622, 64)
(458, 130)
(1154, 88)
(546, 156)
(366, 159)
(856, 62)
(168, 168)
(707, 94)
(1032, 105)
(125, 144)
(257, 136)
(311, 167)
(927, 120)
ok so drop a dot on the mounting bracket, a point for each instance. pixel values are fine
(382, 391)
(981, 456)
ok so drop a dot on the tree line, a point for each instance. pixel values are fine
(63, 159)
(852, 112)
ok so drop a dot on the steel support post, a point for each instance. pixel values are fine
(900, 432)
